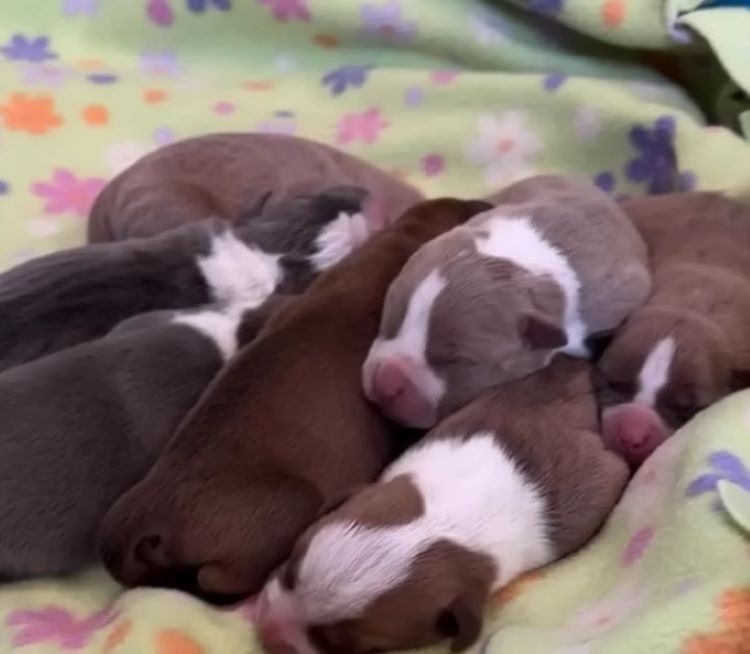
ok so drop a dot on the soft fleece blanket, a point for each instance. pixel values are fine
(459, 97)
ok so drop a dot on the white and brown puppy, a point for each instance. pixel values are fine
(70, 297)
(689, 344)
(227, 175)
(81, 426)
(491, 301)
(513, 481)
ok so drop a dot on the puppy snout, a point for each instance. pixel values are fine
(394, 389)
(634, 431)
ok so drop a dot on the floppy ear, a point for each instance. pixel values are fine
(340, 498)
(739, 380)
(461, 622)
(597, 344)
(541, 334)
(255, 210)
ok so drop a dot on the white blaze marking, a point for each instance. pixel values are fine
(219, 326)
(518, 240)
(474, 495)
(239, 274)
(655, 372)
(411, 339)
(337, 239)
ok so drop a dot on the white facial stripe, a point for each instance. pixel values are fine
(219, 326)
(655, 371)
(411, 339)
(518, 240)
(239, 274)
(337, 239)
(474, 496)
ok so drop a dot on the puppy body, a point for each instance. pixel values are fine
(73, 296)
(689, 344)
(491, 301)
(82, 425)
(513, 481)
(227, 176)
(282, 430)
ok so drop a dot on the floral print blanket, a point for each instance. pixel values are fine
(458, 97)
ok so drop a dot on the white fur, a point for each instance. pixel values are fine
(518, 240)
(655, 371)
(219, 326)
(339, 237)
(474, 495)
(239, 274)
(412, 339)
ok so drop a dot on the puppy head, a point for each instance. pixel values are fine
(456, 322)
(662, 367)
(366, 579)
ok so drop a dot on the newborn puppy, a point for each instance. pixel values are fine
(81, 426)
(225, 176)
(513, 481)
(73, 296)
(689, 345)
(282, 430)
(493, 300)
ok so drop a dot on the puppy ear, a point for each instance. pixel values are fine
(597, 344)
(340, 498)
(460, 622)
(539, 333)
(739, 380)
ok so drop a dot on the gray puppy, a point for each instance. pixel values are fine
(81, 426)
(70, 297)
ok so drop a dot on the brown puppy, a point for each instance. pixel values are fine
(227, 176)
(513, 481)
(689, 345)
(280, 432)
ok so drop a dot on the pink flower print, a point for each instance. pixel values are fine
(364, 127)
(56, 626)
(160, 12)
(284, 10)
(67, 193)
(443, 77)
(637, 546)
(433, 164)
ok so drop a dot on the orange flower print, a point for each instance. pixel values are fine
(516, 587)
(32, 114)
(734, 636)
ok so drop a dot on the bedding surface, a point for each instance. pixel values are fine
(458, 97)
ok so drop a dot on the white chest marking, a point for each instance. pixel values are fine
(337, 239)
(655, 371)
(412, 337)
(518, 240)
(474, 495)
(239, 274)
(219, 326)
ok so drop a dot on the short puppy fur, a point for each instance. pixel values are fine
(280, 431)
(513, 481)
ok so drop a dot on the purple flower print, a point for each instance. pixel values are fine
(102, 78)
(605, 181)
(346, 77)
(44, 74)
(656, 163)
(4, 187)
(199, 6)
(79, 7)
(160, 12)
(160, 63)
(553, 81)
(384, 21)
(56, 626)
(725, 466)
(284, 10)
(163, 136)
(26, 48)
(433, 164)
(550, 7)
(413, 96)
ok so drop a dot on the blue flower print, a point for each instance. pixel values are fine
(346, 77)
(26, 48)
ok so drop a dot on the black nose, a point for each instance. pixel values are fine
(151, 551)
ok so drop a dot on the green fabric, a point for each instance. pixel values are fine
(459, 97)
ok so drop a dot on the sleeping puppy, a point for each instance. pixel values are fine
(73, 296)
(224, 176)
(489, 302)
(79, 427)
(280, 431)
(689, 345)
(513, 481)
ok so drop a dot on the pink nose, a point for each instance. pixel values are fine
(393, 389)
(634, 431)
(279, 632)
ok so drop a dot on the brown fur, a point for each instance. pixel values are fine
(284, 429)
(700, 255)
(228, 176)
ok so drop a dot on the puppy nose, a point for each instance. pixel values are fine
(135, 561)
(151, 550)
(634, 431)
(394, 390)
